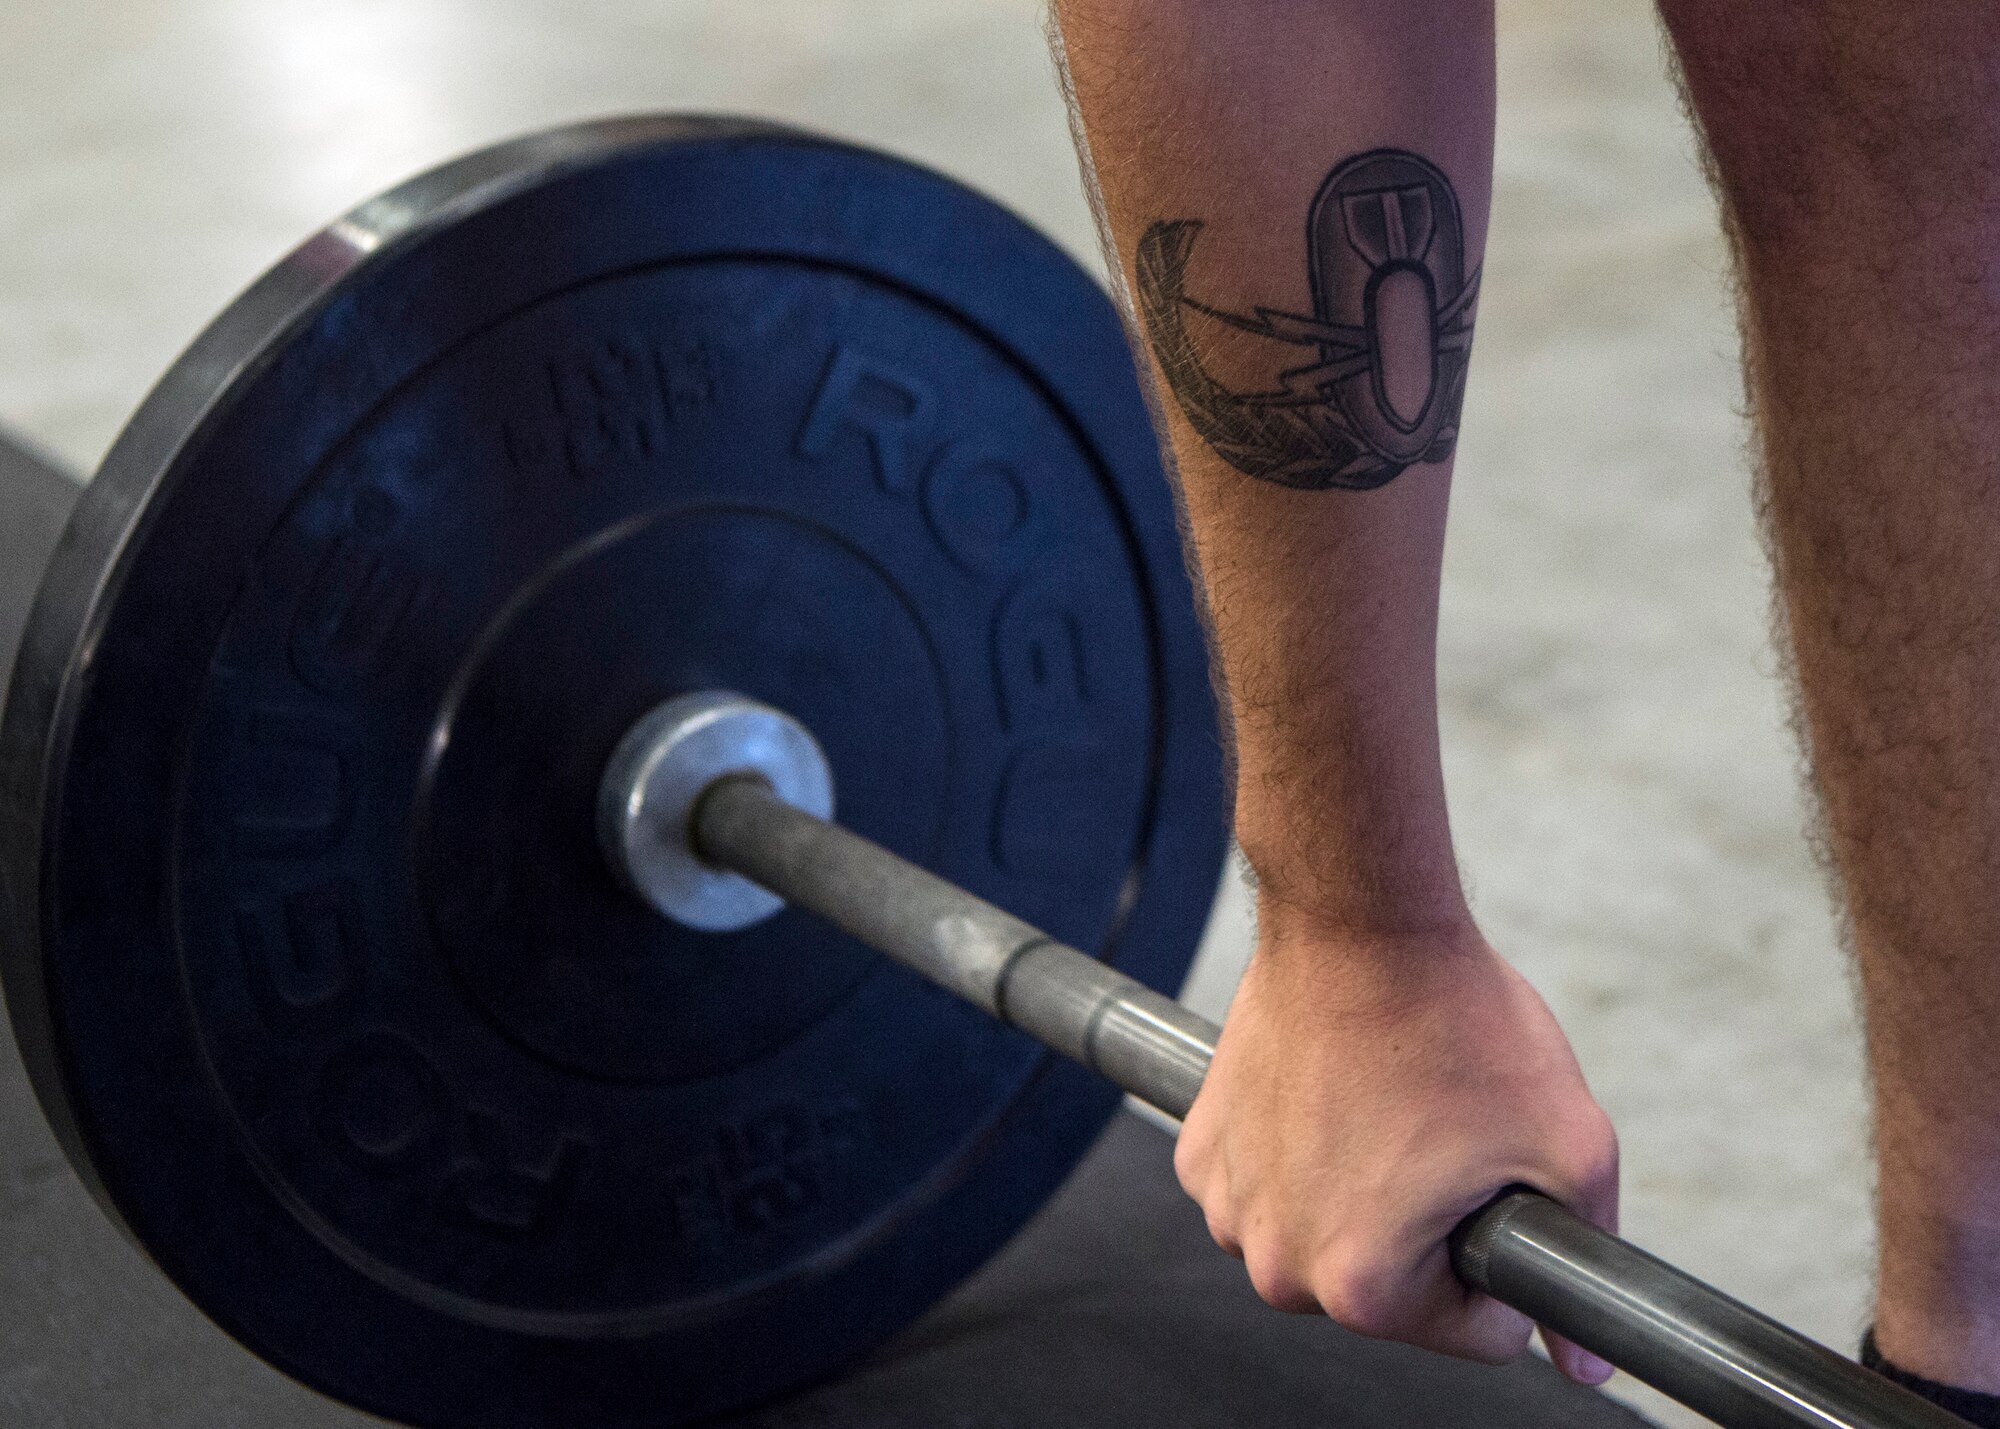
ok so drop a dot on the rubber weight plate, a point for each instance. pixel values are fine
(309, 945)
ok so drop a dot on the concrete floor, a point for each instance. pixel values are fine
(1622, 785)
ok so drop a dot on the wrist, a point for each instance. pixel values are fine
(1349, 833)
(1428, 913)
(1349, 884)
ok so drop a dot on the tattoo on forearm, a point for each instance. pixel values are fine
(1390, 333)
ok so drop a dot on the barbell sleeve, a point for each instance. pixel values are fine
(1659, 1324)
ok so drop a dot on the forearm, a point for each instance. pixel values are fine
(1312, 436)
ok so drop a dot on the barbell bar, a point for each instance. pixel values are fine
(697, 783)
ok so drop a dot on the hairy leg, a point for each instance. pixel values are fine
(1855, 146)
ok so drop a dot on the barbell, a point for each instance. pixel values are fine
(421, 913)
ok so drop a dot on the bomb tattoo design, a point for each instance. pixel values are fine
(1389, 335)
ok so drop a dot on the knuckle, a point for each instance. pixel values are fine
(1595, 1154)
(1579, 1155)
(1600, 1135)
(1608, 1150)
(1361, 1299)
(1277, 1286)
(1190, 1166)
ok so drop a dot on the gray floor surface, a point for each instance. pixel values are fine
(1622, 786)
(1114, 1309)
(1111, 1309)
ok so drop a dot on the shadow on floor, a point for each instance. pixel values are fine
(1111, 1309)
(1114, 1309)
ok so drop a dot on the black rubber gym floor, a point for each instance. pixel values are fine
(1112, 1309)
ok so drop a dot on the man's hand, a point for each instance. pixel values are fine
(1367, 1094)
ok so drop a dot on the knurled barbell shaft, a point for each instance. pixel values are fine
(1683, 1337)
(1070, 1002)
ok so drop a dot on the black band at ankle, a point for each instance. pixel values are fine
(1968, 1404)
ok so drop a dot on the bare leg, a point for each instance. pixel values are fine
(1856, 149)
